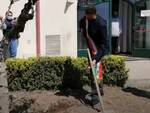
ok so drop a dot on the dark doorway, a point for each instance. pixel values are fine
(115, 6)
(125, 13)
(124, 10)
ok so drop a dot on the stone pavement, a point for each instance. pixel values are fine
(4, 103)
(139, 73)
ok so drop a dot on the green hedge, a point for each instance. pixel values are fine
(51, 73)
(45, 73)
(114, 70)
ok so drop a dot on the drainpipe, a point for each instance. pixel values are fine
(38, 33)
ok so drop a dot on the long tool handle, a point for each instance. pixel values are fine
(96, 84)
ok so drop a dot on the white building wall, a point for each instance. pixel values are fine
(3, 10)
(59, 17)
(54, 21)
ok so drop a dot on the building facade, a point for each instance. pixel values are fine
(54, 31)
(135, 24)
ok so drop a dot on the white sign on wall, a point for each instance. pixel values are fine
(145, 13)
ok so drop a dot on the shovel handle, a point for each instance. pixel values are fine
(95, 79)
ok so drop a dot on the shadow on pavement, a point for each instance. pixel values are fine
(138, 92)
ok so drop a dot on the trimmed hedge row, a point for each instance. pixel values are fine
(115, 71)
(52, 73)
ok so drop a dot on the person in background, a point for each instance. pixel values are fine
(7, 25)
(116, 31)
(1, 20)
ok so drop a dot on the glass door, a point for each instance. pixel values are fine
(104, 10)
(141, 41)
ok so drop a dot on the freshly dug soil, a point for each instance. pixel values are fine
(115, 100)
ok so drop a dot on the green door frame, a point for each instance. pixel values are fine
(83, 52)
(139, 52)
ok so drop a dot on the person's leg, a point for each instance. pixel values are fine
(5, 49)
(116, 44)
(95, 99)
(115, 41)
(94, 95)
(13, 48)
(113, 45)
(100, 82)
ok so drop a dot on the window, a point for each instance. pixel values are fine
(142, 25)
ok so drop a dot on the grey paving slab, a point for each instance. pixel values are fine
(139, 73)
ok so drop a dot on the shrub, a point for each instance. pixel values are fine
(52, 73)
(48, 73)
(114, 70)
(75, 72)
